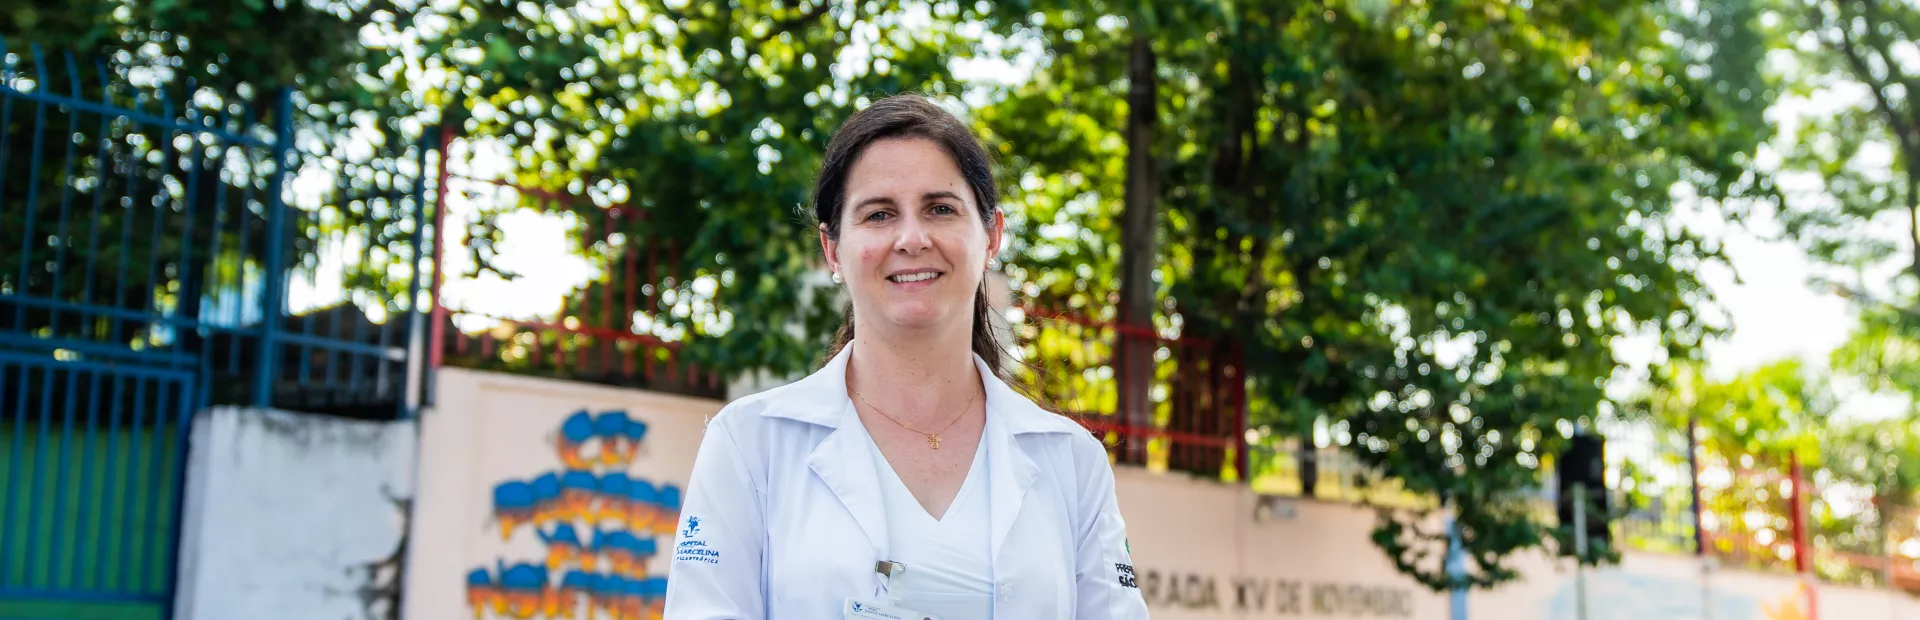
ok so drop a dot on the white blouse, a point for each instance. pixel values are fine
(949, 574)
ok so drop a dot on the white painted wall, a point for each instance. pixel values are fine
(293, 516)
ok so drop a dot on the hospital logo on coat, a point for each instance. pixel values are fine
(693, 527)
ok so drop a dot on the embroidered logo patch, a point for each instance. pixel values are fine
(693, 549)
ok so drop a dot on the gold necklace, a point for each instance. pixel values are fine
(933, 439)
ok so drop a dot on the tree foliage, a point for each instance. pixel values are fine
(1865, 154)
(1428, 222)
(703, 124)
(1754, 426)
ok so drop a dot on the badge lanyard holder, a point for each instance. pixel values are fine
(856, 609)
(888, 572)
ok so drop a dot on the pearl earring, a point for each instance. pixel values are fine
(836, 277)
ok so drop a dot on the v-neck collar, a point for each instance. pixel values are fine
(976, 472)
(821, 399)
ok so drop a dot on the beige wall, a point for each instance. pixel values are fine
(492, 429)
(1199, 552)
(1196, 545)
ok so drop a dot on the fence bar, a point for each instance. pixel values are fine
(126, 220)
(25, 286)
(61, 487)
(41, 97)
(128, 551)
(112, 476)
(184, 410)
(6, 151)
(192, 281)
(102, 170)
(243, 224)
(216, 287)
(61, 239)
(13, 457)
(89, 535)
(158, 225)
(274, 298)
(357, 363)
(39, 471)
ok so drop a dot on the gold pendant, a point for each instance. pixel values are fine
(934, 440)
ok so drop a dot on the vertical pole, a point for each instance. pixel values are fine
(435, 338)
(1802, 545)
(273, 299)
(1580, 550)
(1243, 462)
(1693, 479)
(1802, 561)
(416, 320)
(1457, 567)
(1883, 504)
(1699, 525)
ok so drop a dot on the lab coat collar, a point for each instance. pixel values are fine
(821, 399)
(847, 466)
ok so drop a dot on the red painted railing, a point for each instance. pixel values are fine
(1196, 390)
(594, 336)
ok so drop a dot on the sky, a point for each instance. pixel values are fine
(1767, 291)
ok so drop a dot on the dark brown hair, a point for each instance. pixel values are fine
(910, 116)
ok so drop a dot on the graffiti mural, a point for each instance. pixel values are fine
(599, 524)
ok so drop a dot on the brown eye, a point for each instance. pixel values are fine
(944, 210)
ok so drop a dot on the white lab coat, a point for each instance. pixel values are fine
(783, 517)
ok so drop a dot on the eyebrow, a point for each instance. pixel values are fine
(926, 197)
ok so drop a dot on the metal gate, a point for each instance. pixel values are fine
(150, 236)
(93, 469)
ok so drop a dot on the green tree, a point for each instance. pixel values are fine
(703, 123)
(1865, 154)
(1427, 222)
(1752, 428)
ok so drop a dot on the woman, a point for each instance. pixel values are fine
(904, 478)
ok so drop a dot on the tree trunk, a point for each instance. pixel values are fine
(1913, 217)
(1138, 232)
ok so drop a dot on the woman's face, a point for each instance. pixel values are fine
(912, 245)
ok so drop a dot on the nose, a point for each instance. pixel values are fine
(913, 237)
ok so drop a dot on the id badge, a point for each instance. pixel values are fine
(868, 609)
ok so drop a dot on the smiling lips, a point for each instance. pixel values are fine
(914, 277)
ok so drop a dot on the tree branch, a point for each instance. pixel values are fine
(1884, 48)
(789, 24)
(1903, 130)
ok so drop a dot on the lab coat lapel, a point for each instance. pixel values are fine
(1010, 472)
(845, 463)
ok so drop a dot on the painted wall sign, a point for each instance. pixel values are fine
(545, 499)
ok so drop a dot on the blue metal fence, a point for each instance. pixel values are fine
(165, 247)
